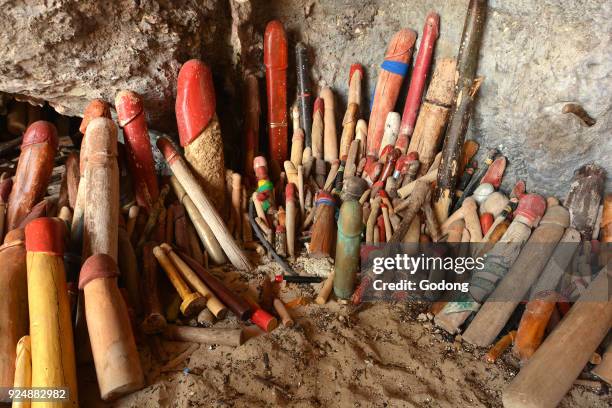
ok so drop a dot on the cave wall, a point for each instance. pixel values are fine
(536, 56)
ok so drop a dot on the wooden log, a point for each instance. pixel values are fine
(466, 88)
(13, 302)
(496, 311)
(390, 78)
(323, 230)
(212, 302)
(200, 132)
(275, 60)
(204, 205)
(200, 335)
(112, 342)
(101, 181)
(33, 171)
(53, 361)
(234, 302)
(418, 79)
(540, 307)
(551, 371)
(153, 320)
(350, 226)
(584, 197)
(23, 370)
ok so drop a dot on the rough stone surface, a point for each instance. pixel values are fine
(536, 56)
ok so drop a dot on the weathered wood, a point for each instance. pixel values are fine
(584, 197)
(512, 289)
(551, 371)
(201, 335)
(204, 205)
(53, 361)
(465, 91)
(113, 346)
(13, 302)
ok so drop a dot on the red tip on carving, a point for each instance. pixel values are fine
(40, 132)
(519, 189)
(97, 266)
(495, 172)
(45, 235)
(432, 21)
(264, 320)
(166, 147)
(355, 67)
(195, 100)
(275, 46)
(5, 190)
(96, 108)
(128, 105)
(531, 207)
(290, 192)
(486, 221)
(412, 156)
(319, 106)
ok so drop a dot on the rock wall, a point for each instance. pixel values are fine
(536, 56)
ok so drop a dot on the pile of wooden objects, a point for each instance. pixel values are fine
(87, 231)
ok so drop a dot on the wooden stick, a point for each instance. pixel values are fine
(331, 177)
(323, 230)
(325, 290)
(212, 302)
(33, 171)
(330, 138)
(317, 129)
(204, 206)
(112, 342)
(494, 313)
(132, 217)
(498, 349)
(391, 130)
(128, 265)
(286, 319)
(154, 320)
(192, 302)
(23, 370)
(13, 302)
(415, 202)
(291, 218)
(348, 129)
(251, 123)
(200, 335)
(558, 362)
(234, 302)
(236, 204)
(53, 362)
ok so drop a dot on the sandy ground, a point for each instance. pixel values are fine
(374, 355)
